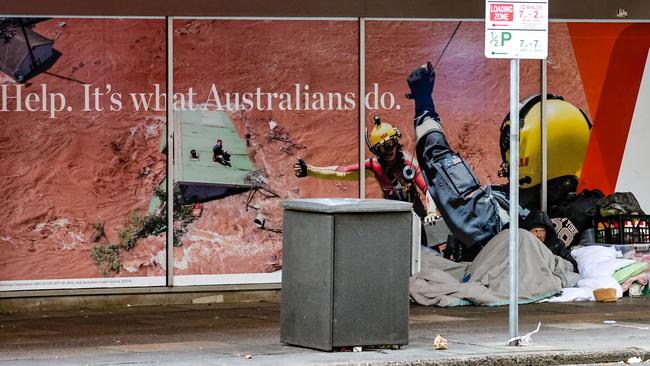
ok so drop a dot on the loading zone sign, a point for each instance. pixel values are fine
(516, 29)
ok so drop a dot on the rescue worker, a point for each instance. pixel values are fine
(472, 213)
(396, 171)
(568, 130)
(475, 213)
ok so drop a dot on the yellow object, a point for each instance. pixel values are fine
(568, 137)
(605, 294)
(382, 132)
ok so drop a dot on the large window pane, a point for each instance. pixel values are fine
(77, 182)
(471, 92)
(273, 91)
(609, 79)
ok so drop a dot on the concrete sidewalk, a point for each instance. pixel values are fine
(248, 334)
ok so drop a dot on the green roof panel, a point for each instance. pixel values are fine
(199, 130)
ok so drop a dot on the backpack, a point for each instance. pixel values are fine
(579, 209)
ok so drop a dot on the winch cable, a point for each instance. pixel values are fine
(434, 67)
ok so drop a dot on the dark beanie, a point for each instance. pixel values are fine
(537, 218)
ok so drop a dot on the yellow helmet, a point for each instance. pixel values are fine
(380, 134)
(568, 136)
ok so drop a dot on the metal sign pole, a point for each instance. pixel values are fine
(515, 30)
(514, 199)
(170, 151)
(544, 198)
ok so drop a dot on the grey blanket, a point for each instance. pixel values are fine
(541, 274)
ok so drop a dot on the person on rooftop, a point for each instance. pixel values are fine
(219, 155)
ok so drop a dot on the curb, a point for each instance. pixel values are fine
(519, 358)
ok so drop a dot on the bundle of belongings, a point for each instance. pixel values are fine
(575, 215)
(604, 267)
(552, 267)
(476, 215)
(485, 281)
(619, 203)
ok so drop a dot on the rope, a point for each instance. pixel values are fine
(434, 67)
(447, 45)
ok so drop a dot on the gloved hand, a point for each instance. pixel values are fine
(421, 81)
(431, 218)
(300, 168)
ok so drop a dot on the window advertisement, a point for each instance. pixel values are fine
(471, 95)
(596, 78)
(80, 153)
(613, 74)
(266, 110)
(597, 81)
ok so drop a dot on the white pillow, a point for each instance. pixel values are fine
(598, 261)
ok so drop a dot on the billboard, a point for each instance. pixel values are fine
(264, 110)
(79, 160)
(271, 92)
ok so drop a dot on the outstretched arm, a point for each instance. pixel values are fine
(334, 172)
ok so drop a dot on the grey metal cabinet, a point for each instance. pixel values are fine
(345, 273)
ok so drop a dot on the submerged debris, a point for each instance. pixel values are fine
(99, 232)
(278, 133)
(108, 257)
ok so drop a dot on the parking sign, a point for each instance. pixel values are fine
(516, 29)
